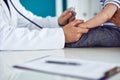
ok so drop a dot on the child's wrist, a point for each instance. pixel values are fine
(84, 25)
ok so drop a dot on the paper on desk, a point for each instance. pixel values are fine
(86, 69)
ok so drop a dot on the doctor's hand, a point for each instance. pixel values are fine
(72, 32)
(66, 17)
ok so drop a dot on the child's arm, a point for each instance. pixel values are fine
(101, 17)
(116, 18)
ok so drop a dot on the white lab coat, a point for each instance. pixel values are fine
(17, 33)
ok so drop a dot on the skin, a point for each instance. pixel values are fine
(73, 29)
(116, 18)
(70, 26)
(66, 17)
(104, 15)
(72, 32)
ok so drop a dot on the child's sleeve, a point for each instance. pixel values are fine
(116, 2)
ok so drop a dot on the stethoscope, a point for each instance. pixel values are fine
(25, 16)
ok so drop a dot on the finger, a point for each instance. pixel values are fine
(84, 26)
(78, 37)
(81, 30)
(68, 15)
(77, 22)
(66, 12)
(66, 18)
(71, 19)
(74, 13)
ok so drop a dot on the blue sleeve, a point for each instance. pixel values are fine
(116, 2)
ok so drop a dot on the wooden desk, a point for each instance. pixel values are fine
(9, 58)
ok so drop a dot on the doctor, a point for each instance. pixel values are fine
(21, 30)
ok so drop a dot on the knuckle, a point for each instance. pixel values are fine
(77, 37)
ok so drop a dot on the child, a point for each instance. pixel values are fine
(116, 18)
(109, 9)
(102, 31)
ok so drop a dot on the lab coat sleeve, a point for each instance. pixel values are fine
(25, 39)
(15, 38)
(43, 22)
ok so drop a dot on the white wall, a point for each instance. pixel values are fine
(85, 8)
(58, 7)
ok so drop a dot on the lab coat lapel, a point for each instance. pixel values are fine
(13, 14)
(7, 12)
(0, 1)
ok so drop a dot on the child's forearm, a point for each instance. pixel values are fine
(101, 17)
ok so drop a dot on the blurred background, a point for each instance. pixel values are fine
(85, 9)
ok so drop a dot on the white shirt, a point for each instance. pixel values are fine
(17, 33)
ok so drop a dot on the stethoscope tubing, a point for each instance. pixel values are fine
(24, 15)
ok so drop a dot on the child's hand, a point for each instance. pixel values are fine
(116, 18)
(83, 25)
(66, 17)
